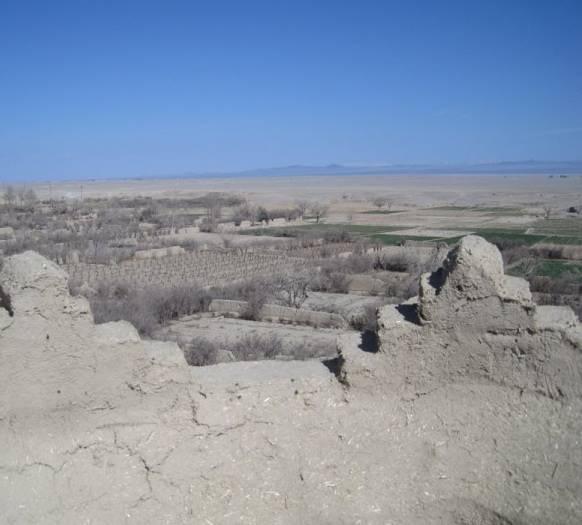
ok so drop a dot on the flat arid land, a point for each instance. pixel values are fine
(427, 202)
(409, 189)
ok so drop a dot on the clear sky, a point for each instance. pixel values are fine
(130, 88)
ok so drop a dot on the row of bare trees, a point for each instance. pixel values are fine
(382, 202)
(22, 196)
(245, 211)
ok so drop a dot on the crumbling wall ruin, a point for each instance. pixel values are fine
(472, 322)
(277, 313)
(464, 415)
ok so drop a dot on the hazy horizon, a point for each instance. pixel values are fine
(504, 168)
(139, 90)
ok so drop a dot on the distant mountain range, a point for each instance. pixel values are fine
(509, 167)
(298, 170)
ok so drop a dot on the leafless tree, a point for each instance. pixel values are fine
(30, 196)
(213, 203)
(302, 206)
(263, 215)
(379, 201)
(21, 192)
(291, 214)
(528, 266)
(244, 212)
(292, 288)
(9, 196)
(548, 212)
(319, 210)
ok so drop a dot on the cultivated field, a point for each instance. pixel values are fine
(205, 268)
(159, 253)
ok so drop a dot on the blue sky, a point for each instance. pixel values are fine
(122, 88)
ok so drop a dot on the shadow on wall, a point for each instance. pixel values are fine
(5, 302)
(370, 342)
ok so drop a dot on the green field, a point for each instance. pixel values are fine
(386, 238)
(508, 210)
(382, 233)
(570, 227)
(555, 268)
(293, 231)
(500, 210)
(499, 235)
(507, 235)
(449, 208)
(374, 233)
(380, 212)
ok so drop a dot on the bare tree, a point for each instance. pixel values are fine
(148, 214)
(382, 202)
(302, 206)
(379, 201)
(21, 192)
(292, 288)
(548, 212)
(319, 210)
(213, 204)
(291, 214)
(9, 196)
(30, 196)
(244, 212)
(528, 265)
(263, 215)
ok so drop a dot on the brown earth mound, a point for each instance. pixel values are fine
(470, 412)
(472, 323)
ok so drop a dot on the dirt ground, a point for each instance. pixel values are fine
(321, 342)
(406, 190)
(435, 221)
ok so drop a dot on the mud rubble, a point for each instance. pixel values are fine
(469, 412)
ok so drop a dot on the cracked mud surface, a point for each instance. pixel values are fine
(98, 426)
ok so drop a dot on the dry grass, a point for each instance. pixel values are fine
(201, 351)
